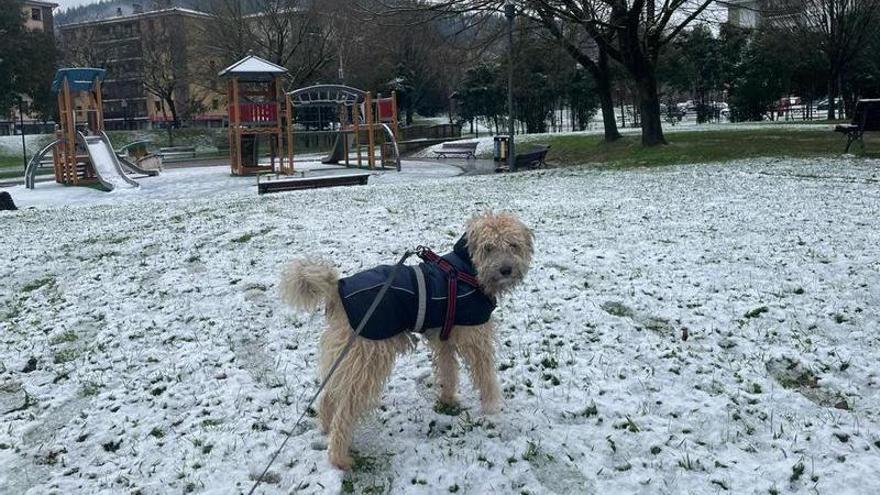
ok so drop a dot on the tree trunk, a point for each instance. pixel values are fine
(649, 108)
(602, 77)
(833, 91)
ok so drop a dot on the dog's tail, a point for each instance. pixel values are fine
(306, 284)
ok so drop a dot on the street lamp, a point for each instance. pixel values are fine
(124, 105)
(510, 13)
(21, 125)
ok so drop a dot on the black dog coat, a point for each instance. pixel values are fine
(399, 310)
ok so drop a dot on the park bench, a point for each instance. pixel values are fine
(534, 158)
(269, 184)
(178, 152)
(866, 118)
(468, 150)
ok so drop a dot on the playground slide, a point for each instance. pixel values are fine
(338, 153)
(33, 165)
(109, 170)
(132, 168)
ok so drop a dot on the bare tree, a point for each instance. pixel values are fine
(590, 55)
(296, 34)
(164, 64)
(634, 33)
(841, 27)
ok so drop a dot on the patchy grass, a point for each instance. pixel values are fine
(38, 284)
(696, 147)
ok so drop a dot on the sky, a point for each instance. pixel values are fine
(64, 4)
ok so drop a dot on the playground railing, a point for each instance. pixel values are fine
(258, 113)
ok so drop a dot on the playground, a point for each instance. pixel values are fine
(263, 123)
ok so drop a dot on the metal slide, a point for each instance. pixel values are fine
(104, 160)
(133, 168)
(393, 142)
(130, 166)
(338, 153)
(33, 165)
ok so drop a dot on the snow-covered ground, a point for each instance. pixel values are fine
(143, 348)
(199, 182)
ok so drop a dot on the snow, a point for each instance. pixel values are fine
(148, 336)
(192, 183)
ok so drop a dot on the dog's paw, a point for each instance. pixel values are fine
(342, 462)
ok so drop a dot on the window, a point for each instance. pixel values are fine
(159, 105)
(215, 104)
(36, 15)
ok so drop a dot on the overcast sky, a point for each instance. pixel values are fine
(63, 4)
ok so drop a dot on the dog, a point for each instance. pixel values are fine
(496, 249)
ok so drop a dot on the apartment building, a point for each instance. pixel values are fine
(751, 14)
(36, 16)
(151, 57)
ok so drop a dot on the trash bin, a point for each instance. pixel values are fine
(502, 145)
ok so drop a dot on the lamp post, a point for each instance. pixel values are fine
(510, 13)
(21, 125)
(124, 105)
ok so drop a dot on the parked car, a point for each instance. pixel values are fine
(823, 105)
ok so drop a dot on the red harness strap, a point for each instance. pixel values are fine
(452, 277)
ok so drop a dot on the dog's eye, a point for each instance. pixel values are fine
(514, 246)
(489, 249)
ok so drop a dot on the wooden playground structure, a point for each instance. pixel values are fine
(82, 154)
(77, 86)
(260, 112)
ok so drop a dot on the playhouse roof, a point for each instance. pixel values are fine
(79, 79)
(252, 65)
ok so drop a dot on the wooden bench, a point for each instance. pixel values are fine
(178, 152)
(468, 150)
(269, 184)
(534, 158)
(865, 119)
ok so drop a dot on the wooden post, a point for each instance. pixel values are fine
(236, 163)
(356, 111)
(371, 142)
(290, 168)
(60, 152)
(230, 127)
(394, 129)
(278, 133)
(99, 106)
(70, 138)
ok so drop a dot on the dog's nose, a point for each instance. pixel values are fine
(506, 271)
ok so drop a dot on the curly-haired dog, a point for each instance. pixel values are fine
(496, 249)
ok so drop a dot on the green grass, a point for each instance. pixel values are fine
(699, 147)
(11, 167)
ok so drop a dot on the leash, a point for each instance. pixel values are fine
(453, 275)
(342, 354)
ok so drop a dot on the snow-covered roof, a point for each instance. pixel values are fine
(135, 15)
(253, 65)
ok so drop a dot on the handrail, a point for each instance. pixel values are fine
(393, 140)
(34, 164)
